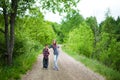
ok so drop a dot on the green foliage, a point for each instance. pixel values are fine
(109, 25)
(59, 5)
(70, 22)
(81, 40)
(40, 31)
(113, 51)
(92, 22)
(109, 43)
(25, 52)
(100, 42)
(2, 40)
(23, 5)
(21, 64)
(109, 51)
(81, 36)
(57, 29)
(46, 35)
(31, 33)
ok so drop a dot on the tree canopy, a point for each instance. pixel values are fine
(12, 8)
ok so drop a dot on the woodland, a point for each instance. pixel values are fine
(23, 36)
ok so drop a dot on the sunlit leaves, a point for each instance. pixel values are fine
(70, 22)
(81, 40)
(23, 5)
(38, 30)
(58, 5)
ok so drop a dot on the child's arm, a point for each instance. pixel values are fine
(50, 46)
(48, 51)
(57, 46)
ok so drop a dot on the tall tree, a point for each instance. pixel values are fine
(117, 29)
(109, 43)
(72, 20)
(80, 40)
(92, 22)
(9, 13)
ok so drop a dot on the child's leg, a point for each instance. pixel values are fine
(43, 62)
(46, 62)
(55, 62)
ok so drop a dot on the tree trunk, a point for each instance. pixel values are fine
(9, 32)
(6, 33)
(14, 5)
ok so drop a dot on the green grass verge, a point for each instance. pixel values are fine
(21, 65)
(96, 66)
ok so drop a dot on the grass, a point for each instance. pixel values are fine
(96, 66)
(21, 65)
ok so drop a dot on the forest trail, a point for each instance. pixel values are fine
(69, 69)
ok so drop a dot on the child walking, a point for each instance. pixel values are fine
(45, 56)
(56, 54)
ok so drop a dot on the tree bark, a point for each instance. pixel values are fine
(6, 33)
(9, 32)
(14, 5)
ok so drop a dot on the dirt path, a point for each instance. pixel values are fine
(70, 69)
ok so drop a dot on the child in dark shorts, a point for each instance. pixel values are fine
(45, 56)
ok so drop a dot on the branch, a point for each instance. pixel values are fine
(2, 30)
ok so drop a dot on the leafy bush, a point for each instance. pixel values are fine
(81, 40)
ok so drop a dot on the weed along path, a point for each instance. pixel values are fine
(69, 69)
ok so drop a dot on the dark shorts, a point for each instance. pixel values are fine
(45, 62)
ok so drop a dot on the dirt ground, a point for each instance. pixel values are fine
(69, 69)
